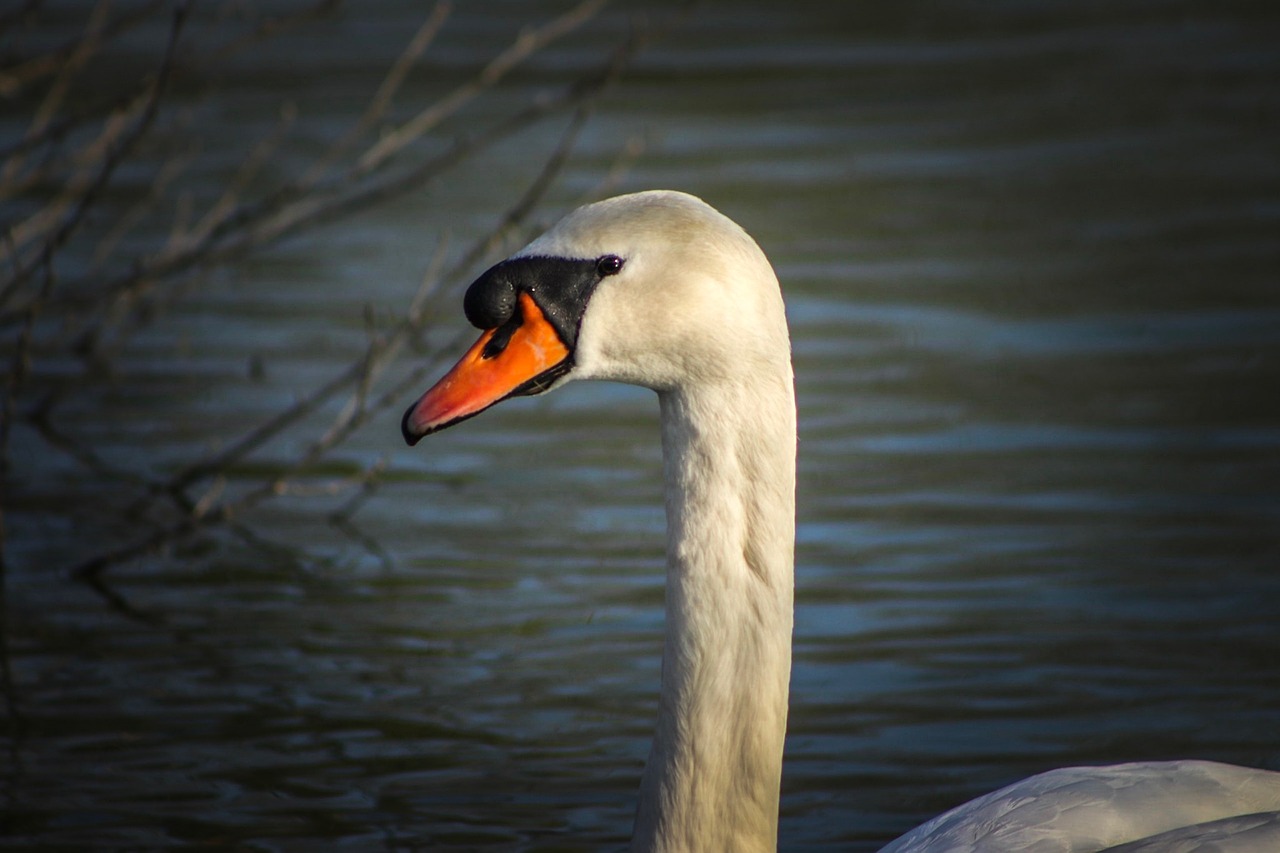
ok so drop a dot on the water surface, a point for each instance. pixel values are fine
(1030, 257)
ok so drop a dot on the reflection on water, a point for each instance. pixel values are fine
(1030, 260)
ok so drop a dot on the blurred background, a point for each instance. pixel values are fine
(1030, 253)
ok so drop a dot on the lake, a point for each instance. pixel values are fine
(1031, 256)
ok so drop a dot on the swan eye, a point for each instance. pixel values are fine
(609, 265)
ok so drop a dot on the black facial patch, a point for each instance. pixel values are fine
(560, 287)
(502, 336)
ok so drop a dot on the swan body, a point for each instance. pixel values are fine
(659, 289)
(1153, 806)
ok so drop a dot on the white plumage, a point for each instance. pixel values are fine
(696, 314)
(1079, 809)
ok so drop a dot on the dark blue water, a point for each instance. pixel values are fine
(1030, 256)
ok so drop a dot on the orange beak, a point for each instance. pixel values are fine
(488, 374)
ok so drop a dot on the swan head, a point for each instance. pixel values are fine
(656, 289)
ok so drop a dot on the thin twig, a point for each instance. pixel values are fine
(67, 69)
(120, 604)
(277, 552)
(116, 155)
(381, 100)
(168, 174)
(528, 43)
(40, 417)
(622, 164)
(20, 364)
(56, 131)
(369, 480)
(15, 77)
(228, 201)
(273, 27)
(349, 529)
(86, 164)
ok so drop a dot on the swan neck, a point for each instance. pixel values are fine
(712, 779)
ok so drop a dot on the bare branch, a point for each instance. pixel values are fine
(376, 356)
(90, 159)
(228, 202)
(117, 153)
(19, 368)
(525, 45)
(169, 173)
(16, 77)
(382, 98)
(66, 72)
(92, 315)
(254, 226)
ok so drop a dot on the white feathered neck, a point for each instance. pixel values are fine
(696, 314)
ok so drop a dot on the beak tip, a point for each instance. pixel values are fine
(411, 434)
(532, 357)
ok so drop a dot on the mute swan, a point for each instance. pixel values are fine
(658, 289)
